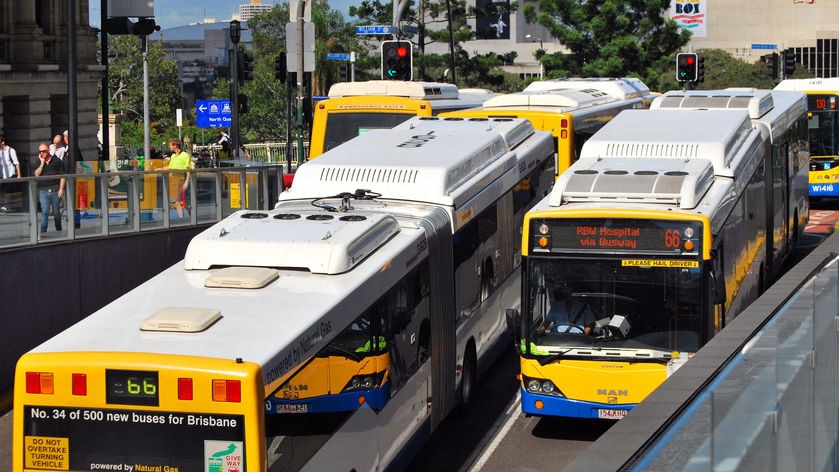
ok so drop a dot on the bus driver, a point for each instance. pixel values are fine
(568, 315)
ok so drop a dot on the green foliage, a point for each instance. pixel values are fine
(125, 82)
(608, 38)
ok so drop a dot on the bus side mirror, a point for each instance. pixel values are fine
(514, 327)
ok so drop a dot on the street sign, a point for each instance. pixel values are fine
(213, 113)
(374, 29)
(334, 56)
(763, 46)
(292, 47)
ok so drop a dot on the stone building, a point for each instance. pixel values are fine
(34, 39)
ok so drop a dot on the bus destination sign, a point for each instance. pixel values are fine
(618, 235)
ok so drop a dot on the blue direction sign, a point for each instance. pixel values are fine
(213, 113)
(763, 46)
(374, 29)
(336, 56)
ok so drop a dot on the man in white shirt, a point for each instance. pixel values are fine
(57, 148)
(9, 169)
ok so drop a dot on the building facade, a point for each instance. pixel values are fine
(34, 95)
(749, 29)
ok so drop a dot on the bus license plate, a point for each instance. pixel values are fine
(298, 408)
(609, 414)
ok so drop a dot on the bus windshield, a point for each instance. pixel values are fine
(575, 305)
(824, 132)
(341, 127)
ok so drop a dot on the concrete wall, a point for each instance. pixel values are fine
(45, 289)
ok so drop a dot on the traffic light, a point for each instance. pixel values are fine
(396, 60)
(687, 67)
(344, 71)
(771, 61)
(122, 25)
(700, 69)
(789, 62)
(280, 68)
(243, 103)
(245, 72)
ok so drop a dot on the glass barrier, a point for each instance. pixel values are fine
(104, 199)
(774, 407)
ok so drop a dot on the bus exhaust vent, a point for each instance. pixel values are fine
(181, 319)
(668, 181)
(391, 175)
(242, 277)
(660, 150)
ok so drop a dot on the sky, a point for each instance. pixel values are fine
(173, 13)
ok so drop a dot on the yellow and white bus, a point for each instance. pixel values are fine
(823, 106)
(572, 110)
(354, 108)
(333, 332)
(653, 241)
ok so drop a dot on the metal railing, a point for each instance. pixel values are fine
(774, 406)
(99, 201)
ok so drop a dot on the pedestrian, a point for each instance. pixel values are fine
(180, 160)
(50, 191)
(9, 169)
(57, 148)
(224, 142)
(67, 148)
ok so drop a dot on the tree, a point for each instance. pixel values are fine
(125, 82)
(266, 118)
(608, 38)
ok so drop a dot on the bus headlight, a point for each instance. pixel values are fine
(542, 387)
(364, 382)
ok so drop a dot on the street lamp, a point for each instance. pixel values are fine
(541, 53)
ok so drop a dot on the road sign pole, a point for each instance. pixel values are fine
(300, 7)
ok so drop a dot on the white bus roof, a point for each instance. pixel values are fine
(756, 102)
(715, 135)
(774, 111)
(395, 88)
(809, 85)
(679, 182)
(619, 88)
(568, 94)
(424, 159)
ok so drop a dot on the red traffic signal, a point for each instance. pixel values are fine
(687, 69)
(396, 60)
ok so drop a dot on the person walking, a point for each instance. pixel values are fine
(50, 191)
(9, 169)
(180, 160)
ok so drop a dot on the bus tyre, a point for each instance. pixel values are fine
(468, 379)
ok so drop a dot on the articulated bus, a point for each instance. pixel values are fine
(354, 108)
(572, 110)
(823, 106)
(652, 242)
(333, 332)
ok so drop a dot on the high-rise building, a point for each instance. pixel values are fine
(255, 7)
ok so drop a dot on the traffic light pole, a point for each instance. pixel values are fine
(234, 102)
(299, 24)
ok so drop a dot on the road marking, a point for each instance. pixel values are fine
(494, 436)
